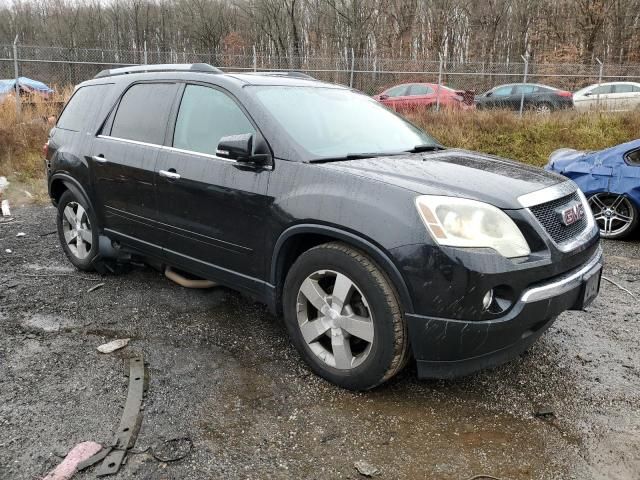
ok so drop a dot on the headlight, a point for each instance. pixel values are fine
(459, 222)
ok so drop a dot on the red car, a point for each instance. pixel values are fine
(415, 96)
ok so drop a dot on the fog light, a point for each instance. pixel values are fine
(487, 300)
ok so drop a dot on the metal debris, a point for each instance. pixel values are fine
(20, 234)
(366, 469)
(125, 438)
(544, 412)
(95, 287)
(7, 250)
(113, 345)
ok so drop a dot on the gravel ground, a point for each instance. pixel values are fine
(222, 373)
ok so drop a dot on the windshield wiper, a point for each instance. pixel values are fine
(425, 148)
(353, 156)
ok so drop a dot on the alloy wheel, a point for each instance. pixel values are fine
(77, 230)
(613, 213)
(334, 319)
(543, 109)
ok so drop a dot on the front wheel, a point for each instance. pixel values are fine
(614, 213)
(344, 318)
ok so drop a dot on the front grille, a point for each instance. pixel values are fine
(547, 215)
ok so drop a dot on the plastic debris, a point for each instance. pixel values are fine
(69, 466)
(6, 211)
(113, 345)
(366, 469)
(20, 234)
(4, 183)
(27, 193)
(8, 250)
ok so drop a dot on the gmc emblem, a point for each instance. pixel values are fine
(571, 214)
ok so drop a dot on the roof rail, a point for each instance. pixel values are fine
(282, 73)
(168, 67)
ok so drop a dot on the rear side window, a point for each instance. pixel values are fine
(526, 89)
(636, 88)
(143, 112)
(205, 116)
(83, 107)
(623, 88)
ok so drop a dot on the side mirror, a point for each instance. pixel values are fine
(244, 148)
(384, 96)
(588, 94)
(488, 94)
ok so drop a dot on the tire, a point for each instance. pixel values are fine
(79, 240)
(364, 342)
(615, 214)
(543, 108)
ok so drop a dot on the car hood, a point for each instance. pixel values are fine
(560, 159)
(455, 172)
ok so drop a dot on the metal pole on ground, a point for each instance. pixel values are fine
(599, 83)
(17, 75)
(524, 80)
(353, 62)
(439, 84)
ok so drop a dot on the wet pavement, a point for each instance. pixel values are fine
(222, 373)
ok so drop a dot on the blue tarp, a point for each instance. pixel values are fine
(6, 86)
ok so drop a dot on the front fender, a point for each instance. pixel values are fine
(376, 253)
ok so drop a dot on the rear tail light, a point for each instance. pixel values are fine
(45, 150)
(565, 94)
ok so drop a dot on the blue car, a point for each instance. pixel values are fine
(610, 179)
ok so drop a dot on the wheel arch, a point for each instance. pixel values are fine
(297, 239)
(60, 183)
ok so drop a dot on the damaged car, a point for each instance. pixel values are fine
(375, 243)
(610, 179)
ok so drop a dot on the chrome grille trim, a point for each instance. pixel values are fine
(547, 194)
(589, 230)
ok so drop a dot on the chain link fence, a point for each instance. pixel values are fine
(61, 67)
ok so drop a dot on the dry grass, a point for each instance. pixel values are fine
(532, 138)
(21, 140)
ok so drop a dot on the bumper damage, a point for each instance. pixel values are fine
(445, 348)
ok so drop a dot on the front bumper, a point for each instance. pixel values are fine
(446, 348)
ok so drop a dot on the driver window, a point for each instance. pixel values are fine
(633, 158)
(418, 89)
(602, 89)
(205, 116)
(398, 91)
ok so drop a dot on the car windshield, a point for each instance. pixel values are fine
(337, 123)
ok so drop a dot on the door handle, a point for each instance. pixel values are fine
(169, 174)
(99, 159)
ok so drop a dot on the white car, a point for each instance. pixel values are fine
(614, 96)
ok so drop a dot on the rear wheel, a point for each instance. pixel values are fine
(615, 215)
(344, 318)
(77, 230)
(543, 108)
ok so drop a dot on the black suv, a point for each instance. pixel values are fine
(371, 239)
